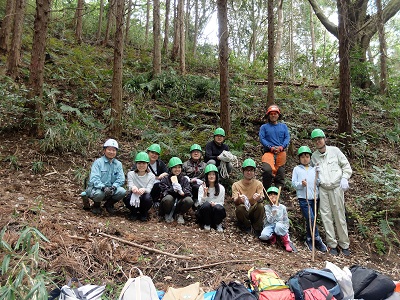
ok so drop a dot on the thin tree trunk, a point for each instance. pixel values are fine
(271, 46)
(382, 50)
(176, 42)
(110, 14)
(223, 65)
(128, 21)
(291, 47)
(79, 14)
(196, 26)
(116, 92)
(314, 60)
(166, 27)
(13, 59)
(100, 23)
(181, 18)
(6, 26)
(156, 38)
(37, 62)
(279, 32)
(146, 36)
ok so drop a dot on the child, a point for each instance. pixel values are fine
(211, 200)
(303, 180)
(276, 220)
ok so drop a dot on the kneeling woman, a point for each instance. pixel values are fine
(140, 183)
(211, 198)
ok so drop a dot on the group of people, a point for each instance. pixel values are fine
(320, 180)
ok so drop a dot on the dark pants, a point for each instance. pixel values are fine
(210, 215)
(182, 205)
(156, 192)
(267, 177)
(195, 191)
(145, 204)
(304, 212)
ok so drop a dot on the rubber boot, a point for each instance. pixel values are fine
(96, 208)
(286, 242)
(109, 206)
(272, 239)
(85, 201)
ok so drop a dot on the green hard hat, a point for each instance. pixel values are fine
(219, 131)
(210, 168)
(142, 156)
(273, 189)
(155, 148)
(195, 147)
(304, 149)
(174, 161)
(317, 133)
(249, 163)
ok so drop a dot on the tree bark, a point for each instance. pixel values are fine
(37, 62)
(157, 38)
(382, 50)
(6, 27)
(182, 54)
(100, 23)
(146, 35)
(110, 14)
(314, 59)
(128, 21)
(116, 92)
(166, 27)
(196, 26)
(271, 46)
(279, 32)
(223, 65)
(176, 41)
(79, 22)
(13, 59)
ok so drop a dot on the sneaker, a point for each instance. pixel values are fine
(308, 243)
(333, 251)
(207, 227)
(319, 245)
(180, 219)
(168, 219)
(219, 228)
(346, 252)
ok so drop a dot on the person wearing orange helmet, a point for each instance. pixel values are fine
(275, 138)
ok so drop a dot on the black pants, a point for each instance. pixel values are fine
(267, 177)
(210, 215)
(145, 204)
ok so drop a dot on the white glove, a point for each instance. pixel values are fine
(246, 203)
(344, 184)
(199, 181)
(177, 187)
(317, 168)
(135, 200)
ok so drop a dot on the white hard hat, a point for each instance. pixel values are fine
(111, 143)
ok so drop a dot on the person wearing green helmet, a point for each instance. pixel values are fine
(106, 180)
(333, 171)
(211, 212)
(176, 193)
(194, 170)
(214, 149)
(276, 222)
(275, 138)
(248, 195)
(140, 184)
(305, 184)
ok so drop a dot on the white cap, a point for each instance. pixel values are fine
(111, 143)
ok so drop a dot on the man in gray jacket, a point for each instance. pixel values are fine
(333, 171)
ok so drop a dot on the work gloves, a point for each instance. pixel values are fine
(135, 200)
(247, 203)
(177, 187)
(344, 184)
(109, 190)
(276, 149)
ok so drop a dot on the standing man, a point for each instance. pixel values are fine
(333, 173)
(106, 179)
(248, 197)
(275, 138)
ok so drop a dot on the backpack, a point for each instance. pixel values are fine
(139, 288)
(263, 279)
(284, 294)
(320, 293)
(82, 292)
(311, 278)
(233, 291)
(190, 292)
(369, 284)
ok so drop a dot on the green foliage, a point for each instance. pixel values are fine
(38, 167)
(13, 162)
(20, 268)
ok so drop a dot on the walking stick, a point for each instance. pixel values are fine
(309, 216)
(315, 215)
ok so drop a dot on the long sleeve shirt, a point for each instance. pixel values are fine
(274, 135)
(212, 198)
(106, 173)
(146, 181)
(167, 188)
(248, 189)
(301, 173)
(193, 169)
(213, 150)
(333, 166)
(276, 214)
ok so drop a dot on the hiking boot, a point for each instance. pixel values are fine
(319, 245)
(334, 252)
(143, 217)
(207, 227)
(180, 219)
(85, 201)
(346, 252)
(96, 208)
(308, 243)
(109, 206)
(286, 242)
(168, 219)
(133, 216)
(219, 228)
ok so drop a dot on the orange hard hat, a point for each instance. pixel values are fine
(274, 108)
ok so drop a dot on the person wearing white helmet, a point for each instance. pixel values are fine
(106, 179)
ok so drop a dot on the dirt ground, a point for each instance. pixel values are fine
(50, 201)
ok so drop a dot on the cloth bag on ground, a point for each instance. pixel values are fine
(83, 292)
(139, 288)
(343, 276)
(190, 292)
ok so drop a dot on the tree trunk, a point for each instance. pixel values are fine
(382, 50)
(166, 27)
(225, 111)
(345, 106)
(314, 59)
(196, 26)
(109, 21)
(279, 32)
(157, 38)
(271, 46)
(79, 14)
(13, 59)
(128, 21)
(37, 62)
(176, 41)
(146, 36)
(181, 19)
(116, 92)
(6, 27)
(100, 23)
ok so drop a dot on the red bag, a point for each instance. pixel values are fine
(320, 293)
(284, 294)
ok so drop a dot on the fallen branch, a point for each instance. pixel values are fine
(216, 264)
(144, 247)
